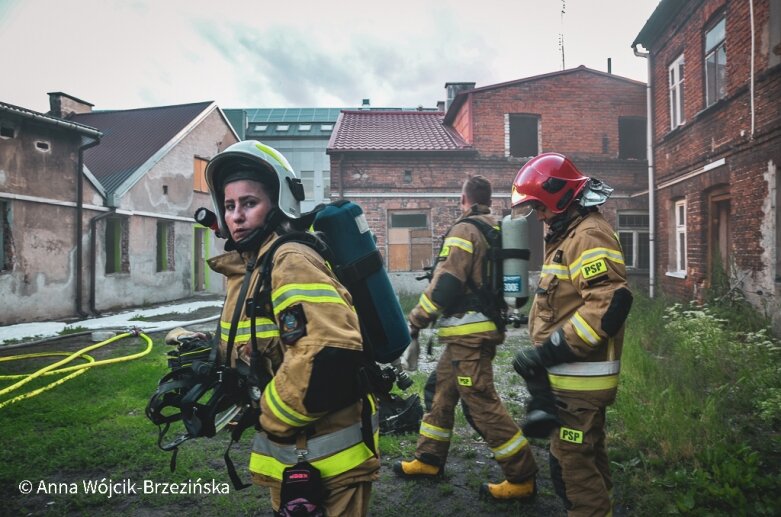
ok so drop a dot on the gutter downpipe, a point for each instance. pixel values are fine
(650, 157)
(751, 16)
(79, 216)
(93, 253)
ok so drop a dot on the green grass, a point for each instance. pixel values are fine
(695, 429)
(94, 427)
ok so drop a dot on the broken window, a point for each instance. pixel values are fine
(632, 138)
(715, 63)
(165, 246)
(523, 135)
(6, 243)
(117, 238)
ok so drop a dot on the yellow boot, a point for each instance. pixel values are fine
(416, 469)
(507, 491)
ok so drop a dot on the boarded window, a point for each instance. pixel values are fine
(117, 238)
(409, 241)
(631, 138)
(199, 175)
(524, 139)
(165, 246)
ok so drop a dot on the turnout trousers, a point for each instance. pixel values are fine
(580, 470)
(466, 373)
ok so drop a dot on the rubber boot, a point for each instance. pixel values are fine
(508, 491)
(416, 469)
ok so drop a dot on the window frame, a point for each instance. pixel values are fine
(199, 174)
(635, 232)
(676, 91)
(719, 89)
(681, 237)
(6, 237)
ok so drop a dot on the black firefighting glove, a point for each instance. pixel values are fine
(531, 361)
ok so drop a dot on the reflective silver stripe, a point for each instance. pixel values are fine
(586, 369)
(318, 447)
(469, 317)
(511, 447)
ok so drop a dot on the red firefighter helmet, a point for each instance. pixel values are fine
(550, 179)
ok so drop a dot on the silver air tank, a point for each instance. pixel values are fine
(515, 249)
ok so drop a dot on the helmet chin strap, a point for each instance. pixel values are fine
(256, 237)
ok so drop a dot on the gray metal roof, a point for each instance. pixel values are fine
(48, 119)
(132, 137)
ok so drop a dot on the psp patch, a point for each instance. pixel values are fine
(592, 269)
(465, 381)
(571, 435)
(292, 324)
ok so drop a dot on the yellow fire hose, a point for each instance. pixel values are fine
(76, 370)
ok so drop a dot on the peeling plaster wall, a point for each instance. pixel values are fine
(143, 284)
(40, 283)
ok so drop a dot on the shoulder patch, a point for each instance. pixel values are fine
(594, 268)
(292, 324)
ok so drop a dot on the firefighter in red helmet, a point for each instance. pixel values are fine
(576, 325)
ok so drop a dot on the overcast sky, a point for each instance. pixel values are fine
(300, 53)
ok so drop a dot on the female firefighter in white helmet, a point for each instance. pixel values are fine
(577, 326)
(308, 340)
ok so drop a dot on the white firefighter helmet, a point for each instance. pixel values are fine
(270, 165)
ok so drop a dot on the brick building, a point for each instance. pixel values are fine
(406, 169)
(716, 98)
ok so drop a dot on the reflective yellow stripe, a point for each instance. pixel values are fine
(469, 328)
(460, 243)
(274, 154)
(555, 270)
(604, 382)
(593, 254)
(584, 330)
(435, 433)
(334, 465)
(510, 447)
(264, 328)
(281, 410)
(289, 294)
(427, 305)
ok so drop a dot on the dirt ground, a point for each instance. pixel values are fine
(469, 463)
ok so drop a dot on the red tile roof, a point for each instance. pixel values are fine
(394, 131)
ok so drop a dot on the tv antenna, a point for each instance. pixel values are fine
(561, 34)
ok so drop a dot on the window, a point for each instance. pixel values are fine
(165, 246)
(6, 247)
(304, 127)
(326, 127)
(715, 63)
(632, 138)
(117, 260)
(675, 74)
(308, 181)
(199, 174)
(7, 131)
(42, 146)
(326, 185)
(409, 241)
(261, 128)
(522, 131)
(680, 237)
(633, 234)
(407, 176)
(283, 127)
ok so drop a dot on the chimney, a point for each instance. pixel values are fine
(366, 104)
(454, 89)
(609, 66)
(440, 105)
(62, 105)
